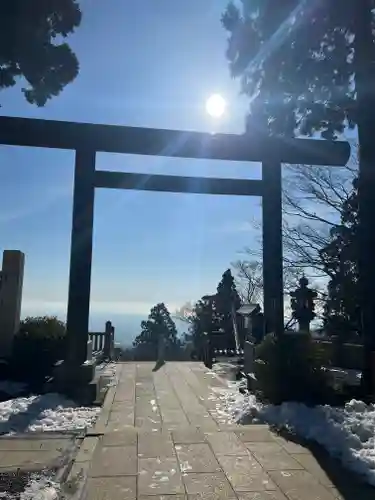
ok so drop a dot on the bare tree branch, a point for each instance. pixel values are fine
(312, 201)
(249, 280)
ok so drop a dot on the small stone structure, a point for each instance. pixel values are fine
(11, 283)
(253, 321)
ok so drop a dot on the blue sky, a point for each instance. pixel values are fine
(144, 63)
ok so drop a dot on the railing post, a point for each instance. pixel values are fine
(112, 348)
(273, 248)
(89, 350)
(108, 340)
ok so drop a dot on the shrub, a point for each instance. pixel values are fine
(288, 369)
(43, 327)
(38, 345)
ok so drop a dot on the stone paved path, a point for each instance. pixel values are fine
(162, 437)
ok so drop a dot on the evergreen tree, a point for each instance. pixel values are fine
(295, 61)
(204, 322)
(30, 50)
(342, 312)
(227, 300)
(158, 325)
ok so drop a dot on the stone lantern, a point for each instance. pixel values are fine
(302, 303)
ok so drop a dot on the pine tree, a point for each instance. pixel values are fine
(30, 47)
(342, 312)
(204, 322)
(227, 300)
(295, 62)
(158, 325)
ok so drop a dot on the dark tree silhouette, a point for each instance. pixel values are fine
(227, 301)
(159, 324)
(342, 313)
(203, 321)
(308, 67)
(31, 49)
(295, 62)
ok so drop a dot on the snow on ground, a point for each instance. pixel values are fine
(48, 412)
(348, 433)
(40, 488)
(225, 369)
(109, 372)
(18, 485)
(342, 376)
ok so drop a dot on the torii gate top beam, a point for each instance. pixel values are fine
(174, 143)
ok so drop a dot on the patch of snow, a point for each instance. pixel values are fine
(153, 406)
(342, 376)
(347, 433)
(109, 372)
(224, 369)
(39, 487)
(49, 412)
(11, 387)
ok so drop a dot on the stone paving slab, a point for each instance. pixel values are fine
(159, 477)
(226, 443)
(36, 444)
(300, 484)
(127, 437)
(213, 486)
(188, 436)
(165, 438)
(310, 464)
(118, 418)
(114, 461)
(197, 458)
(106, 488)
(291, 447)
(262, 495)
(254, 433)
(245, 473)
(34, 453)
(163, 497)
(152, 445)
(272, 457)
(29, 460)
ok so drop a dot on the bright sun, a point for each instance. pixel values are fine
(215, 105)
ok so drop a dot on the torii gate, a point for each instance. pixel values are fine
(88, 139)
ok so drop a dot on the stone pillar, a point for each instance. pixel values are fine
(89, 350)
(249, 355)
(11, 283)
(75, 374)
(108, 340)
(80, 257)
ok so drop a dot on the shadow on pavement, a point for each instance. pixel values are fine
(159, 364)
(349, 484)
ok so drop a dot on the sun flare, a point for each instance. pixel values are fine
(215, 105)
